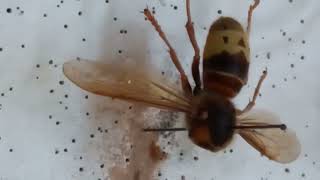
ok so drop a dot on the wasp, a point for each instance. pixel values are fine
(212, 119)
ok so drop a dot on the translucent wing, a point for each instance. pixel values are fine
(123, 83)
(278, 145)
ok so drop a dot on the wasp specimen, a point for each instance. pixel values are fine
(211, 117)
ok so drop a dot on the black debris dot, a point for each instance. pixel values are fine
(38, 65)
(80, 13)
(175, 7)
(23, 46)
(73, 140)
(65, 150)
(92, 135)
(195, 158)
(86, 96)
(273, 86)
(11, 88)
(51, 91)
(303, 175)
(57, 123)
(159, 174)
(219, 11)
(115, 18)
(45, 15)
(119, 51)
(106, 130)
(50, 61)
(107, 1)
(10, 150)
(231, 150)
(303, 41)
(127, 160)
(50, 116)
(84, 39)
(61, 82)
(102, 166)
(9, 10)
(116, 122)
(65, 26)
(302, 57)
(1, 49)
(81, 169)
(66, 96)
(290, 1)
(301, 21)
(87, 113)
(292, 65)
(287, 170)
(56, 151)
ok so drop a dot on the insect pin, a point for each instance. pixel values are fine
(211, 118)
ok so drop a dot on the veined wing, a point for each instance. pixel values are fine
(124, 83)
(278, 145)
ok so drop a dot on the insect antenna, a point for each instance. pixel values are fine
(164, 129)
(270, 126)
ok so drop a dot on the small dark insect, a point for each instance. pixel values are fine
(212, 119)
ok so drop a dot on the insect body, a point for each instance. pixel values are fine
(212, 119)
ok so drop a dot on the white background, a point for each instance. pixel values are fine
(32, 145)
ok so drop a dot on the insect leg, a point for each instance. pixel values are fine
(256, 92)
(250, 11)
(184, 79)
(196, 57)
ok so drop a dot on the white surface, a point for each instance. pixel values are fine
(25, 126)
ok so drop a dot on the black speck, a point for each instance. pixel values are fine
(195, 158)
(287, 170)
(303, 175)
(45, 15)
(11, 88)
(56, 151)
(87, 113)
(51, 91)
(57, 123)
(106, 130)
(65, 150)
(219, 11)
(273, 86)
(50, 116)
(92, 135)
(231, 150)
(302, 57)
(9, 10)
(102, 166)
(81, 169)
(303, 41)
(66, 96)
(115, 18)
(127, 160)
(61, 82)
(301, 21)
(292, 65)
(1, 49)
(175, 7)
(116, 122)
(159, 174)
(107, 1)
(73, 140)
(79, 13)
(22, 46)
(38, 65)
(290, 1)
(65, 26)
(84, 39)
(11, 150)
(50, 61)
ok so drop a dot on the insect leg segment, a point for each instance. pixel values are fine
(196, 57)
(250, 11)
(255, 95)
(184, 79)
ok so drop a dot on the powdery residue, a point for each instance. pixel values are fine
(145, 156)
